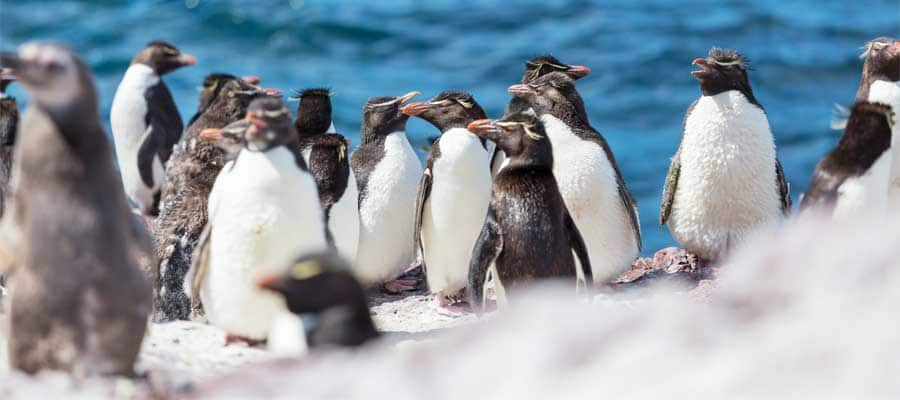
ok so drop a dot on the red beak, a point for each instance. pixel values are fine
(413, 109)
(252, 79)
(578, 71)
(187, 59)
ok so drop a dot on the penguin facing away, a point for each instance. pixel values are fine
(528, 233)
(535, 68)
(454, 193)
(190, 175)
(263, 212)
(146, 124)
(589, 179)
(853, 178)
(725, 180)
(9, 120)
(387, 171)
(79, 301)
(320, 289)
(327, 156)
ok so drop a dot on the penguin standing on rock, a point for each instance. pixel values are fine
(9, 120)
(263, 212)
(454, 193)
(79, 301)
(528, 232)
(190, 174)
(146, 124)
(320, 289)
(326, 154)
(853, 178)
(588, 176)
(536, 68)
(387, 171)
(725, 180)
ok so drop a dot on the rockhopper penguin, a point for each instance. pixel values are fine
(454, 193)
(327, 155)
(588, 176)
(262, 213)
(79, 301)
(387, 172)
(320, 289)
(725, 180)
(853, 178)
(536, 68)
(190, 174)
(146, 124)
(528, 233)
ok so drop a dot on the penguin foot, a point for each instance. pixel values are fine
(397, 286)
(450, 305)
(235, 339)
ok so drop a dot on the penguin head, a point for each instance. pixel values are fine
(545, 64)
(270, 124)
(882, 60)
(163, 57)
(315, 283)
(721, 71)
(382, 115)
(6, 77)
(521, 136)
(553, 93)
(55, 77)
(450, 109)
(232, 97)
(313, 112)
(231, 138)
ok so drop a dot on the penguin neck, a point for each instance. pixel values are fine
(343, 325)
(370, 136)
(861, 148)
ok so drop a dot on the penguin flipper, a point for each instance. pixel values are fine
(823, 189)
(784, 189)
(421, 199)
(671, 185)
(576, 241)
(165, 122)
(199, 264)
(486, 249)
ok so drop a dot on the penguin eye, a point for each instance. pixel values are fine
(305, 270)
(169, 51)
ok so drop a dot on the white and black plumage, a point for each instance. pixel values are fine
(725, 180)
(79, 301)
(454, 192)
(263, 211)
(588, 176)
(327, 155)
(190, 174)
(852, 179)
(387, 172)
(146, 124)
(9, 120)
(528, 232)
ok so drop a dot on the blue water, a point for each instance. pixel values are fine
(805, 55)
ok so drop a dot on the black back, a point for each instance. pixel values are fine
(313, 113)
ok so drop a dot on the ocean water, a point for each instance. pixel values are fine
(804, 55)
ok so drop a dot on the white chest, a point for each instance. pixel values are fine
(866, 194)
(889, 93)
(129, 107)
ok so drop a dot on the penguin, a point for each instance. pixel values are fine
(528, 232)
(536, 68)
(146, 124)
(589, 178)
(190, 174)
(724, 180)
(326, 154)
(880, 83)
(320, 290)
(262, 213)
(79, 301)
(852, 179)
(387, 171)
(9, 120)
(454, 193)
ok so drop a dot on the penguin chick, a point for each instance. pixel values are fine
(454, 193)
(387, 171)
(725, 180)
(320, 289)
(78, 301)
(146, 124)
(852, 178)
(262, 213)
(528, 233)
